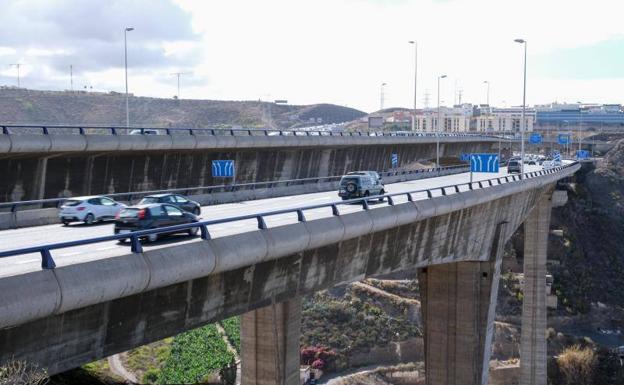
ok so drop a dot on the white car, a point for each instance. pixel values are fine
(145, 131)
(89, 209)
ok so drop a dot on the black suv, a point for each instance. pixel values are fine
(360, 184)
(151, 216)
(173, 199)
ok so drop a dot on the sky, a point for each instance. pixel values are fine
(320, 51)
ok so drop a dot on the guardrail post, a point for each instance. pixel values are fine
(443, 190)
(365, 204)
(45, 130)
(168, 131)
(266, 133)
(390, 201)
(81, 131)
(429, 194)
(135, 244)
(480, 184)
(261, 223)
(410, 198)
(113, 131)
(457, 188)
(191, 132)
(46, 260)
(204, 232)
(300, 216)
(335, 211)
(5, 130)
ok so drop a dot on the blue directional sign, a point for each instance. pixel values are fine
(395, 160)
(223, 168)
(582, 154)
(484, 163)
(563, 138)
(535, 138)
(557, 156)
(464, 157)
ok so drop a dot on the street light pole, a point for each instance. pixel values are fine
(17, 65)
(487, 100)
(381, 96)
(415, 81)
(177, 74)
(126, 30)
(71, 77)
(438, 126)
(522, 123)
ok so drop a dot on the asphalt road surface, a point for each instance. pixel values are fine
(41, 235)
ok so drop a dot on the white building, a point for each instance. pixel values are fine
(469, 118)
(453, 119)
(503, 119)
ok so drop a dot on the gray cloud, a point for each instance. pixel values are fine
(89, 34)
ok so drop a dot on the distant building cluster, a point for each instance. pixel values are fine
(587, 116)
(474, 118)
(468, 117)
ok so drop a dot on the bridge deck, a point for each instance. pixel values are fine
(27, 237)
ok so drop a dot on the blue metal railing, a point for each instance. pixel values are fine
(8, 129)
(47, 262)
(220, 188)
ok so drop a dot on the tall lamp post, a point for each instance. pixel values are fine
(487, 99)
(381, 96)
(415, 81)
(522, 123)
(438, 126)
(128, 29)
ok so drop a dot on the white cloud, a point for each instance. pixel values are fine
(340, 51)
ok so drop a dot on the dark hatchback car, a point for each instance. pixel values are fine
(173, 199)
(151, 216)
(513, 165)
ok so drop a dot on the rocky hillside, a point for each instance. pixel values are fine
(591, 253)
(80, 107)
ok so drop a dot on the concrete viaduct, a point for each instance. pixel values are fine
(76, 313)
(53, 165)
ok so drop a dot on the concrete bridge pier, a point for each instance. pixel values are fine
(458, 308)
(270, 344)
(533, 334)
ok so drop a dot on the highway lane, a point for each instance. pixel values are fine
(31, 236)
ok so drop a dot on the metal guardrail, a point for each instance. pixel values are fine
(219, 188)
(47, 262)
(8, 129)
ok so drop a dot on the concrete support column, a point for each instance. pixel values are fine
(270, 344)
(533, 336)
(458, 308)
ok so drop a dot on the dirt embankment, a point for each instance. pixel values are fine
(97, 108)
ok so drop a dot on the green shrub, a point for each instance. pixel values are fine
(194, 355)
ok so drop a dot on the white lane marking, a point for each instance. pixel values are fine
(70, 254)
(106, 248)
(26, 261)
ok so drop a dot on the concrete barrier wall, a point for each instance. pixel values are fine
(135, 299)
(41, 175)
(27, 217)
(39, 143)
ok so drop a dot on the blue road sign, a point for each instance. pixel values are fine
(223, 168)
(563, 139)
(395, 160)
(484, 163)
(535, 138)
(582, 154)
(556, 156)
(464, 157)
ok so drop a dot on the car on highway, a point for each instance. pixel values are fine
(145, 131)
(360, 184)
(173, 199)
(89, 209)
(513, 165)
(373, 174)
(151, 216)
